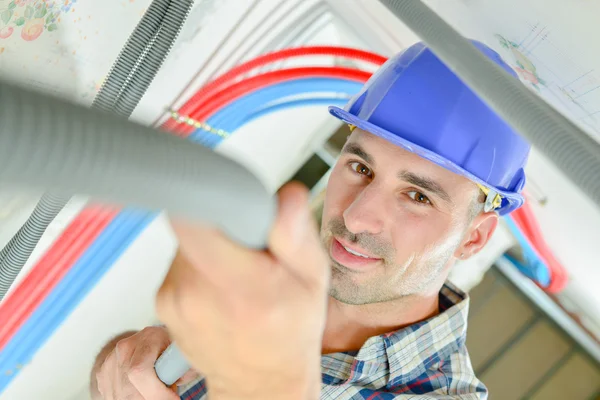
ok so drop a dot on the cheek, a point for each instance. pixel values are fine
(418, 237)
(339, 196)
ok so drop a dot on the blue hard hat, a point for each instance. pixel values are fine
(416, 102)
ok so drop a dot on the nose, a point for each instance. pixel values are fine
(366, 214)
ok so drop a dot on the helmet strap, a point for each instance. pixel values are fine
(490, 201)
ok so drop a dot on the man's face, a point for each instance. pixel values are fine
(394, 222)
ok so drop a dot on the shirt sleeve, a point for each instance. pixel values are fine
(195, 390)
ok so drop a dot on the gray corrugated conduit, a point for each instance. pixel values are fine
(129, 58)
(153, 56)
(119, 162)
(129, 78)
(17, 251)
(576, 153)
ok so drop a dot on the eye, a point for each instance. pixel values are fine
(419, 197)
(361, 169)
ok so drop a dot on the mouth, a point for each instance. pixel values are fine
(350, 256)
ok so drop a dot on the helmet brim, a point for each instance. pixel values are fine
(510, 200)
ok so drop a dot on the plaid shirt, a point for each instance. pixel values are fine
(427, 360)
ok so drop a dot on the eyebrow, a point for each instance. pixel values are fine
(423, 182)
(426, 184)
(354, 148)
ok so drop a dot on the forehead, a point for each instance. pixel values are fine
(387, 156)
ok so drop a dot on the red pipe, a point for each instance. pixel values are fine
(51, 268)
(526, 221)
(231, 75)
(231, 93)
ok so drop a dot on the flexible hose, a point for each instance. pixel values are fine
(152, 59)
(132, 54)
(71, 149)
(108, 147)
(129, 78)
(570, 148)
(17, 251)
(64, 253)
(206, 92)
(53, 265)
(40, 324)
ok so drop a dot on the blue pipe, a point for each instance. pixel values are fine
(326, 101)
(69, 292)
(531, 265)
(120, 233)
(232, 117)
(210, 140)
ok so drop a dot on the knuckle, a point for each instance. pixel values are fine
(154, 332)
(123, 349)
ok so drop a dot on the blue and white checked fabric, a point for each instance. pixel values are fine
(427, 360)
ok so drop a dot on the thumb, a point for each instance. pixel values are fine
(188, 377)
(294, 239)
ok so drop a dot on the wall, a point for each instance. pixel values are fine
(519, 353)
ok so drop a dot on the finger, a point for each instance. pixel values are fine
(184, 286)
(141, 371)
(151, 388)
(294, 239)
(102, 386)
(108, 377)
(188, 377)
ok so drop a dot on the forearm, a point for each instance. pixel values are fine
(106, 350)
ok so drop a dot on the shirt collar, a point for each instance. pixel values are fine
(409, 351)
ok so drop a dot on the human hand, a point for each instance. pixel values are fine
(125, 369)
(252, 321)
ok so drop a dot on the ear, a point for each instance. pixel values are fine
(478, 235)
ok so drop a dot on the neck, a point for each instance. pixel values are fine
(349, 326)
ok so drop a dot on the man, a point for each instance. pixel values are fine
(419, 184)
